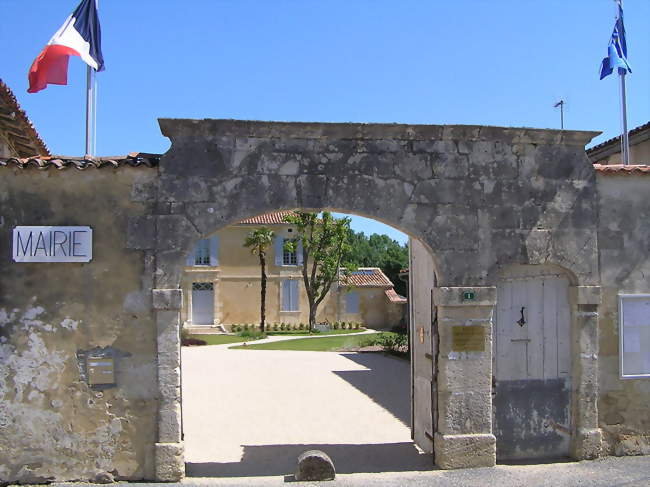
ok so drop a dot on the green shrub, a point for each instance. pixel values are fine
(275, 327)
(185, 334)
(356, 326)
(282, 326)
(336, 325)
(252, 334)
(301, 326)
(246, 327)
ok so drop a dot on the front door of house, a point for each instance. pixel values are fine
(202, 303)
(532, 390)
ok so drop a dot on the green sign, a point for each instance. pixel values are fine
(468, 296)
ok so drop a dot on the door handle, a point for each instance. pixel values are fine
(522, 320)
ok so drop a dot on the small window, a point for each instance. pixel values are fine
(352, 302)
(289, 258)
(290, 296)
(202, 286)
(202, 252)
(634, 335)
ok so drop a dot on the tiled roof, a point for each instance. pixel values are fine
(268, 219)
(367, 277)
(133, 159)
(393, 297)
(16, 129)
(617, 139)
(633, 169)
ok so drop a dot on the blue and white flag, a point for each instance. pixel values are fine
(617, 50)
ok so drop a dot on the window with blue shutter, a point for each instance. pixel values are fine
(214, 250)
(352, 302)
(278, 250)
(288, 258)
(206, 252)
(290, 295)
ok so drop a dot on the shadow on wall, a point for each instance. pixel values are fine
(386, 382)
(272, 460)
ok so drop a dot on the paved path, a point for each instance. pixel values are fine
(252, 412)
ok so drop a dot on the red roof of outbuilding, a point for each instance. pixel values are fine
(268, 219)
(632, 169)
(393, 297)
(367, 277)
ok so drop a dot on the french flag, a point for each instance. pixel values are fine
(80, 35)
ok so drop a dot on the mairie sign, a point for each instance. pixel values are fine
(53, 244)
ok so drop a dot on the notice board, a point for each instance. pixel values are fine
(634, 335)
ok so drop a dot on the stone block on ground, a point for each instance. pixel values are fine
(315, 465)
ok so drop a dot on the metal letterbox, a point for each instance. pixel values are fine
(101, 370)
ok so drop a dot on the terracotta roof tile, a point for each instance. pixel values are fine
(617, 139)
(367, 277)
(268, 219)
(133, 159)
(393, 297)
(18, 130)
(632, 169)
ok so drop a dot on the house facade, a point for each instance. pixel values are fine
(221, 284)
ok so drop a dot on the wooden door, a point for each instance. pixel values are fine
(202, 303)
(423, 345)
(532, 362)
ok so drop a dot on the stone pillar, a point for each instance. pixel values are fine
(170, 461)
(587, 436)
(463, 435)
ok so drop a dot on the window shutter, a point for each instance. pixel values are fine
(285, 295)
(352, 302)
(294, 295)
(299, 251)
(189, 261)
(279, 251)
(214, 250)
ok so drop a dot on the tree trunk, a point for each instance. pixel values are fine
(263, 297)
(312, 317)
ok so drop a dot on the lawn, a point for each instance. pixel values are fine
(321, 344)
(220, 339)
(306, 333)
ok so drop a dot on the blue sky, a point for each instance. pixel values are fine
(499, 62)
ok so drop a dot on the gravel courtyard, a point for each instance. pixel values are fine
(252, 412)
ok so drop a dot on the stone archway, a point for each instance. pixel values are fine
(480, 197)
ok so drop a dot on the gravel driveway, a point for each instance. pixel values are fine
(252, 412)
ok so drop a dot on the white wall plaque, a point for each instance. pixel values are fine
(53, 244)
(634, 335)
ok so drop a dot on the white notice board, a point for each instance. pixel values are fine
(634, 335)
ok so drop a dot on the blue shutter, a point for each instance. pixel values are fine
(214, 250)
(352, 302)
(299, 251)
(294, 295)
(285, 295)
(189, 261)
(279, 251)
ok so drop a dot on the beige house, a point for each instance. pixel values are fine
(221, 284)
(609, 152)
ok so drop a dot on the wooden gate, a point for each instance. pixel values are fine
(532, 390)
(423, 345)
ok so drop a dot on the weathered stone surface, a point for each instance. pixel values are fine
(314, 465)
(465, 451)
(167, 299)
(170, 465)
(587, 444)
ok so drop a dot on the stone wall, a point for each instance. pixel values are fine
(624, 236)
(53, 426)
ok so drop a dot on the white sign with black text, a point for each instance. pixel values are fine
(53, 244)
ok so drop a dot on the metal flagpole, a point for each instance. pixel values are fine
(90, 110)
(625, 141)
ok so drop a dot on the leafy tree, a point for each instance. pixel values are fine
(324, 244)
(379, 251)
(258, 241)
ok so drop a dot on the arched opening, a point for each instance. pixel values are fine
(247, 413)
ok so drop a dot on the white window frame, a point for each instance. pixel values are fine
(621, 335)
(289, 258)
(292, 300)
(202, 247)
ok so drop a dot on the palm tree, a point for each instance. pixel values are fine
(258, 241)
